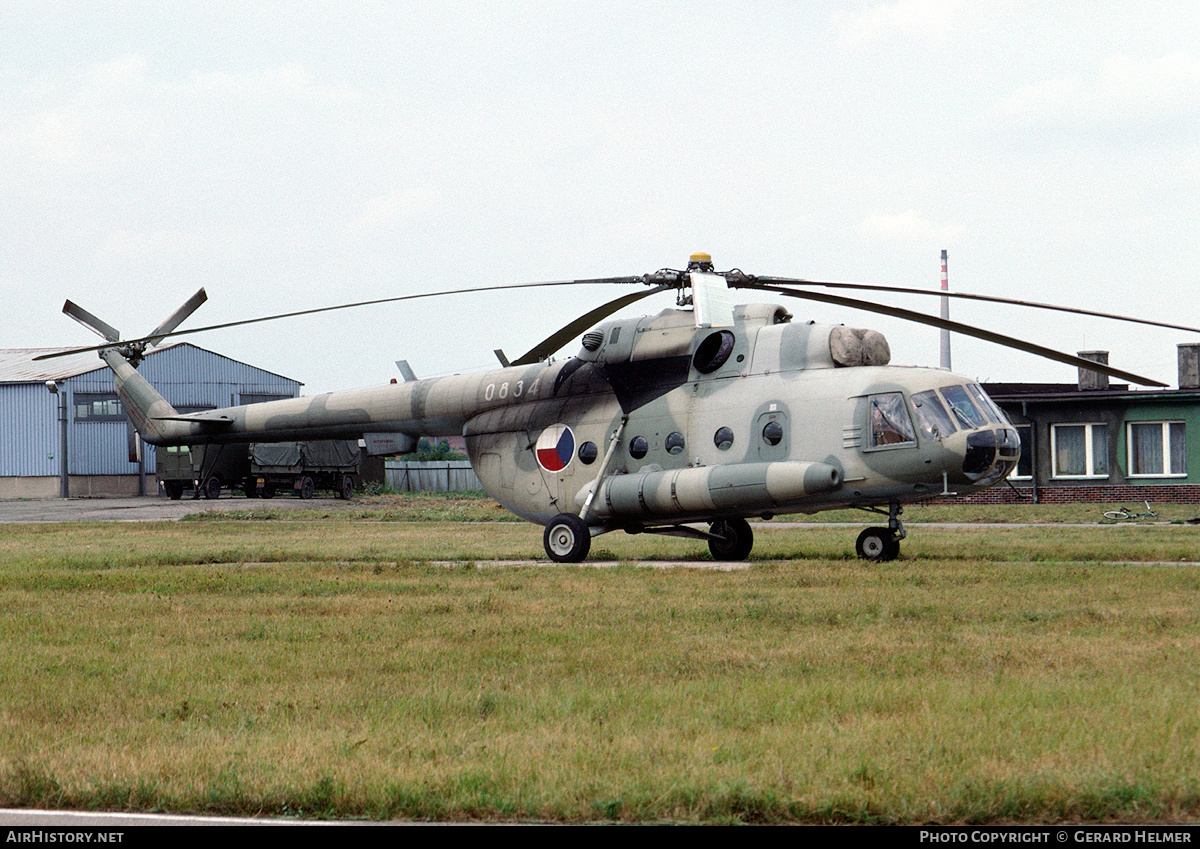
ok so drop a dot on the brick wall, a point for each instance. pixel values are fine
(1106, 494)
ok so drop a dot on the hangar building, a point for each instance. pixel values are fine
(85, 421)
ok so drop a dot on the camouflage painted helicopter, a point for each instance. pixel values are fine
(707, 414)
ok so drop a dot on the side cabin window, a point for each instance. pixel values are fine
(890, 425)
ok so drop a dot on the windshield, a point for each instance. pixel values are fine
(986, 404)
(964, 409)
(932, 419)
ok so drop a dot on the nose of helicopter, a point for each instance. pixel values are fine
(991, 454)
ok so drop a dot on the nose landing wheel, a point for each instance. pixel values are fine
(567, 538)
(878, 545)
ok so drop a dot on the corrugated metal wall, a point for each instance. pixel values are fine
(431, 476)
(186, 376)
(29, 430)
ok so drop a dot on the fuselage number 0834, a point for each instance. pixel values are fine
(509, 389)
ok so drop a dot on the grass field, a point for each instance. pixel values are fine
(368, 665)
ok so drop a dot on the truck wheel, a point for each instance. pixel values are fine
(305, 486)
(347, 491)
(212, 488)
(268, 490)
(174, 489)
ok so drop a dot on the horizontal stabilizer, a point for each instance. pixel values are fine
(210, 418)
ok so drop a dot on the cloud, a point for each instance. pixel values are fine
(289, 82)
(899, 18)
(1134, 90)
(395, 209)
(906, 227)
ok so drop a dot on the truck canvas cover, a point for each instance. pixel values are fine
(305, 455)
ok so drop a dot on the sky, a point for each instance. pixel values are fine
(288, 156)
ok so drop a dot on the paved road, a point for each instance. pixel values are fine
(151, 508)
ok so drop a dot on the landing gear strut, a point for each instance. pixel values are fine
(882, 544)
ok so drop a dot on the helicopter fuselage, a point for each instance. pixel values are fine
(657, 422)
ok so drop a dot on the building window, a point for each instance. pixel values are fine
(1079, 450)
(1024, 470)
(98, 408)
(1157, 449)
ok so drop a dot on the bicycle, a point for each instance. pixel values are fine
(1124, 515)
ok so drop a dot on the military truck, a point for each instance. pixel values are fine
(260, 469)
(203, 469)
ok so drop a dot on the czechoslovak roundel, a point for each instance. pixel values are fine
(555, 447)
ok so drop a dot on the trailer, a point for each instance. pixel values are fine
(305, 467)
(261, 469)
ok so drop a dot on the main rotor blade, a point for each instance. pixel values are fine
(565, 334)
(244, 321)
(753, 283)
(177, 317)
(91, 322)
(965, 329)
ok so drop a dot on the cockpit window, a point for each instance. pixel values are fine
(932, 419)
(890, 424)
(963, 408)
(986, 404)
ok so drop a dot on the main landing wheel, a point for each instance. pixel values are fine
(736, 539)
(878, 544)
(567, 538)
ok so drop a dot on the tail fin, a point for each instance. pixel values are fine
(150, 413)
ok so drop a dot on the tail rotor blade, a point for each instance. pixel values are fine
(91, 322)
(176, 318)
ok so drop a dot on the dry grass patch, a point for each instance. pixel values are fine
(325, 668)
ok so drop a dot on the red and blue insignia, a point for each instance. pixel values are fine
(555, 447)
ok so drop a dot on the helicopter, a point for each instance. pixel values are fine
(687, 423)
